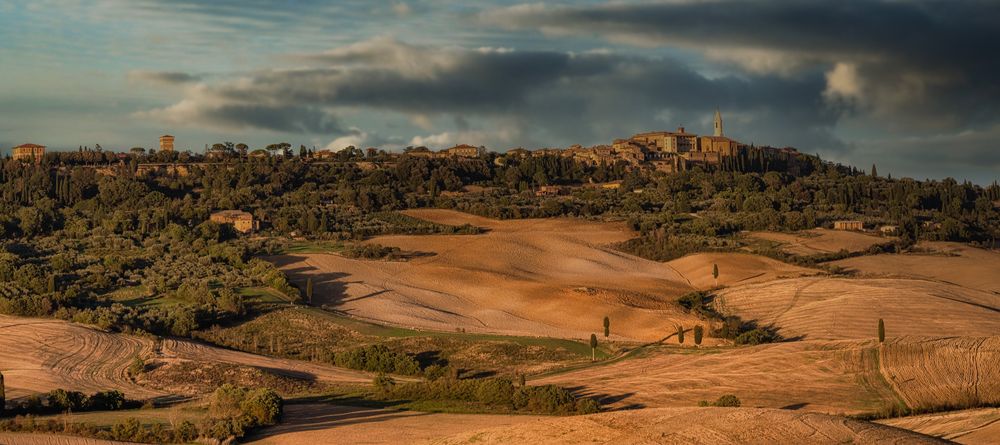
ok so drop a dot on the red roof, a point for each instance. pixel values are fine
(30, 146)
(463, 146)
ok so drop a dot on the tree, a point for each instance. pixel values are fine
(698, 333)
(3, 396)
(607, 326)
(593, 347)
(874, 171)
(309, 290)
(715, 274)
(680, 335)
(881, 331)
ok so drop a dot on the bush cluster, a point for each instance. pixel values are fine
(61, 400)
(378, 358)
(500, 392)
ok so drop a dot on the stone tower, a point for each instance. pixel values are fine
(166, 143)
(718, 123)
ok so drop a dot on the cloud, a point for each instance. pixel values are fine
(499, 96)
(161, 77)
(920, 65)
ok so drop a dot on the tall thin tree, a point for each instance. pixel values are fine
(607, 326)
(698, 333)
(309, 290)
(680, 334)
(715, 274)
(593, 347)
(881, 331)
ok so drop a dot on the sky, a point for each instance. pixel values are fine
(910, 86)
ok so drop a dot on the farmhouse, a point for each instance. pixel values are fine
(29, 152)
(848, 225)
(242, 221)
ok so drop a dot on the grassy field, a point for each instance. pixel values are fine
(310, 333)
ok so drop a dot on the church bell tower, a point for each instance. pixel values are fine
(718, 123)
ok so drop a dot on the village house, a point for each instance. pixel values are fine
(242, 221)
(551, 190)
(28, 152)
(466, 151)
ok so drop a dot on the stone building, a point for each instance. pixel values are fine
(28, 152)
(666, 141)
(466, 151)
(166, 143)
(848, 225)
(242, 221)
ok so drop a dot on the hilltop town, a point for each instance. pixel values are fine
(665, 151)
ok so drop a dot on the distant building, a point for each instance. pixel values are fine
(551, 190)
(242, 221)
(466, 151)
(166, 143)
(28, 152)
(889, 230)
(848, 225)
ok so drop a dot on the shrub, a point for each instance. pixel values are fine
(755, 337)
(728, 401)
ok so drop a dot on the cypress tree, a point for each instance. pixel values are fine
(698, 333)
(607, 326)
(680, 335)
(593, 347)
(309, 290)
(3, 395)
(715, 274)
(881, 331)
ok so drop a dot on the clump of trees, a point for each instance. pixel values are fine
(726, 401)
(378, 358)
(234, 411)
(61, 400)
(494, 393)
(372, 251)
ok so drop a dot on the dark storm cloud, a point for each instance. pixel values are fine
(551, 97)
(917, 60)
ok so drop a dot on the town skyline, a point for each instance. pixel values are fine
(505, 75)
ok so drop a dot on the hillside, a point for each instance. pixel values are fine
(821, 376)
(41, 355)
(821, 308)
(694, 426)
(546, 277)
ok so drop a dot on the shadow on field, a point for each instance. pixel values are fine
(604, 398)
(311, 417)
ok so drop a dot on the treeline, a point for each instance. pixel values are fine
(232, 413)
(492, 393)
(76, 242)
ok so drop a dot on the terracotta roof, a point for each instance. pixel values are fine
(463, 146)
(166, 136)
(30, 146)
